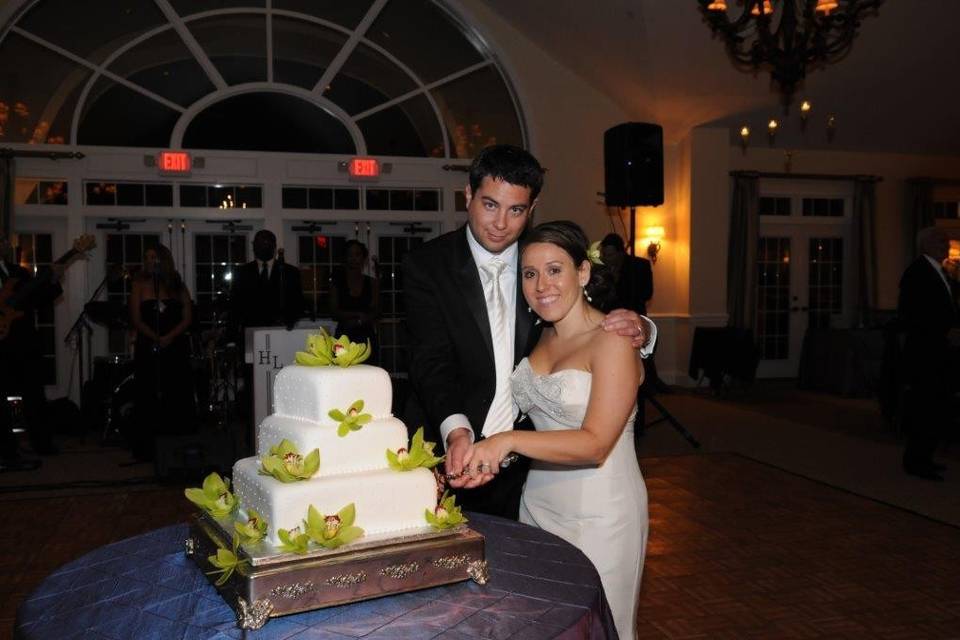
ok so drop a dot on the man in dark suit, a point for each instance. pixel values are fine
(460, 357)
(20, 358)
(927, 313)
(633, 274)
(266, 291)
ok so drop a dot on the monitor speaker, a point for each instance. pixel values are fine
(633, 164)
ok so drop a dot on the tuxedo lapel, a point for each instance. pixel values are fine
(471, 289)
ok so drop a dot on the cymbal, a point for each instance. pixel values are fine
(109, 313)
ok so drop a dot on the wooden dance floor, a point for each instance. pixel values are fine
(738, 549)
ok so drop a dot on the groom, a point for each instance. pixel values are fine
(469, 325)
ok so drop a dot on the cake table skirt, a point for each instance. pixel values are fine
(145, 587)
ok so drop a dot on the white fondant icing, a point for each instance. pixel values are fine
(386, 501)
(357, 451)
(309, 393)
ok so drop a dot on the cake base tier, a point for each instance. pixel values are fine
(305, 583)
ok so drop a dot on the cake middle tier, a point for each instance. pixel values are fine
(361, 450)
(386, 501)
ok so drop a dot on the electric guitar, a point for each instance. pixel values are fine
(13, 295)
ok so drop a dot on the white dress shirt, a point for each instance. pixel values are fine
(508, 287)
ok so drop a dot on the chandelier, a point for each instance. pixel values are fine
(787, 37)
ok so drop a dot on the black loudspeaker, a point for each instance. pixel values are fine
(633, 164)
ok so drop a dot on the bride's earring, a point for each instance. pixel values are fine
(587, 295)
(538, 320)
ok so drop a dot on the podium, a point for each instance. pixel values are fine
(269, 349)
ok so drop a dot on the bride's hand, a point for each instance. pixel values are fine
(482, 460)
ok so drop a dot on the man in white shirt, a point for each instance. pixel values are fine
(468, 325)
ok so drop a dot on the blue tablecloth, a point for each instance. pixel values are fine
(145, 588)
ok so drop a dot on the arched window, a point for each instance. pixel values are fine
(310, 76)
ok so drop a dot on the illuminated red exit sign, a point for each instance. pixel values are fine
(364, 168)
(174, 163)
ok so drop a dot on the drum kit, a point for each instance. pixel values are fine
(215, 364)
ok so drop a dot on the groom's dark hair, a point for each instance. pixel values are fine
(511, 164)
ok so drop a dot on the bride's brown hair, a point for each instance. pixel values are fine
(570, 237)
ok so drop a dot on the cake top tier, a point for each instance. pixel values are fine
(310, 393)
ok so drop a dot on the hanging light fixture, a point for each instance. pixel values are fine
(787, 37)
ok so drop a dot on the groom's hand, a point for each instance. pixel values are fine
(458, 443)
(629, 324)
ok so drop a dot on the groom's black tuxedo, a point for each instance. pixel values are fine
(451, 354)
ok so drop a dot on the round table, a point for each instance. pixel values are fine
(145, 587)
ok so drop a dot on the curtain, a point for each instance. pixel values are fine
(865, 247)
(742, 251)
(919, 214)
(6, 194)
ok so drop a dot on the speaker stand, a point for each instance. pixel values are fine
(633, 230)
(665, 416)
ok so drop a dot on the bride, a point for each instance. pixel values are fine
(579, 387)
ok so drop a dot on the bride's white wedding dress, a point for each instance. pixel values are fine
(601, 510)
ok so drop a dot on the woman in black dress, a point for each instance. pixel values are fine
(354, 298)
(161, 311)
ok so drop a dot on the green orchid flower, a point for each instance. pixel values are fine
(352, 420)
(253, 530)
(323, 351)
(420, 454)
(335, 530)
(293, 541)
(226, 561)
(214, 497)
(447, 515)
(287, 465)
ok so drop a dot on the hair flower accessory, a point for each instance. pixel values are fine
(593, 253)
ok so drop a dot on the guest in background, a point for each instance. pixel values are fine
(928, 314)
(266, 291)
(20, 357)
(633, 279)
(633, 276)
(355, 297)
(161, 312)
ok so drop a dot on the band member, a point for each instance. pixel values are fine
(21, 374)
(266, 291)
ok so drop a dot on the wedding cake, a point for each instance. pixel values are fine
(353, 463)
(333, 470)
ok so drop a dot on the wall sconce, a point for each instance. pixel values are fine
(744, 137)
(805, 108)
(652, 238)
(772, 130)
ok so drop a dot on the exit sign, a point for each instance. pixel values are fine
(174, 163)
(364, 168)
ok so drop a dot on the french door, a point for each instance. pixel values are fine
(805, 275)
(320, 253)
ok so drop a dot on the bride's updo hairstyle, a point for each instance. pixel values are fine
(570, 237)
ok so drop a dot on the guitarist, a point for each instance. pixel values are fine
(20, 356)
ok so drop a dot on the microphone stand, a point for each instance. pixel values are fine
(76, 332)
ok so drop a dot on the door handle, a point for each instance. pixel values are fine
(799, 308)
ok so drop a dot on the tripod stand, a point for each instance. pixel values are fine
(643, 395)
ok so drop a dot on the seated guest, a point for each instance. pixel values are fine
(354, 297)
(927, 313)
(161, 312)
